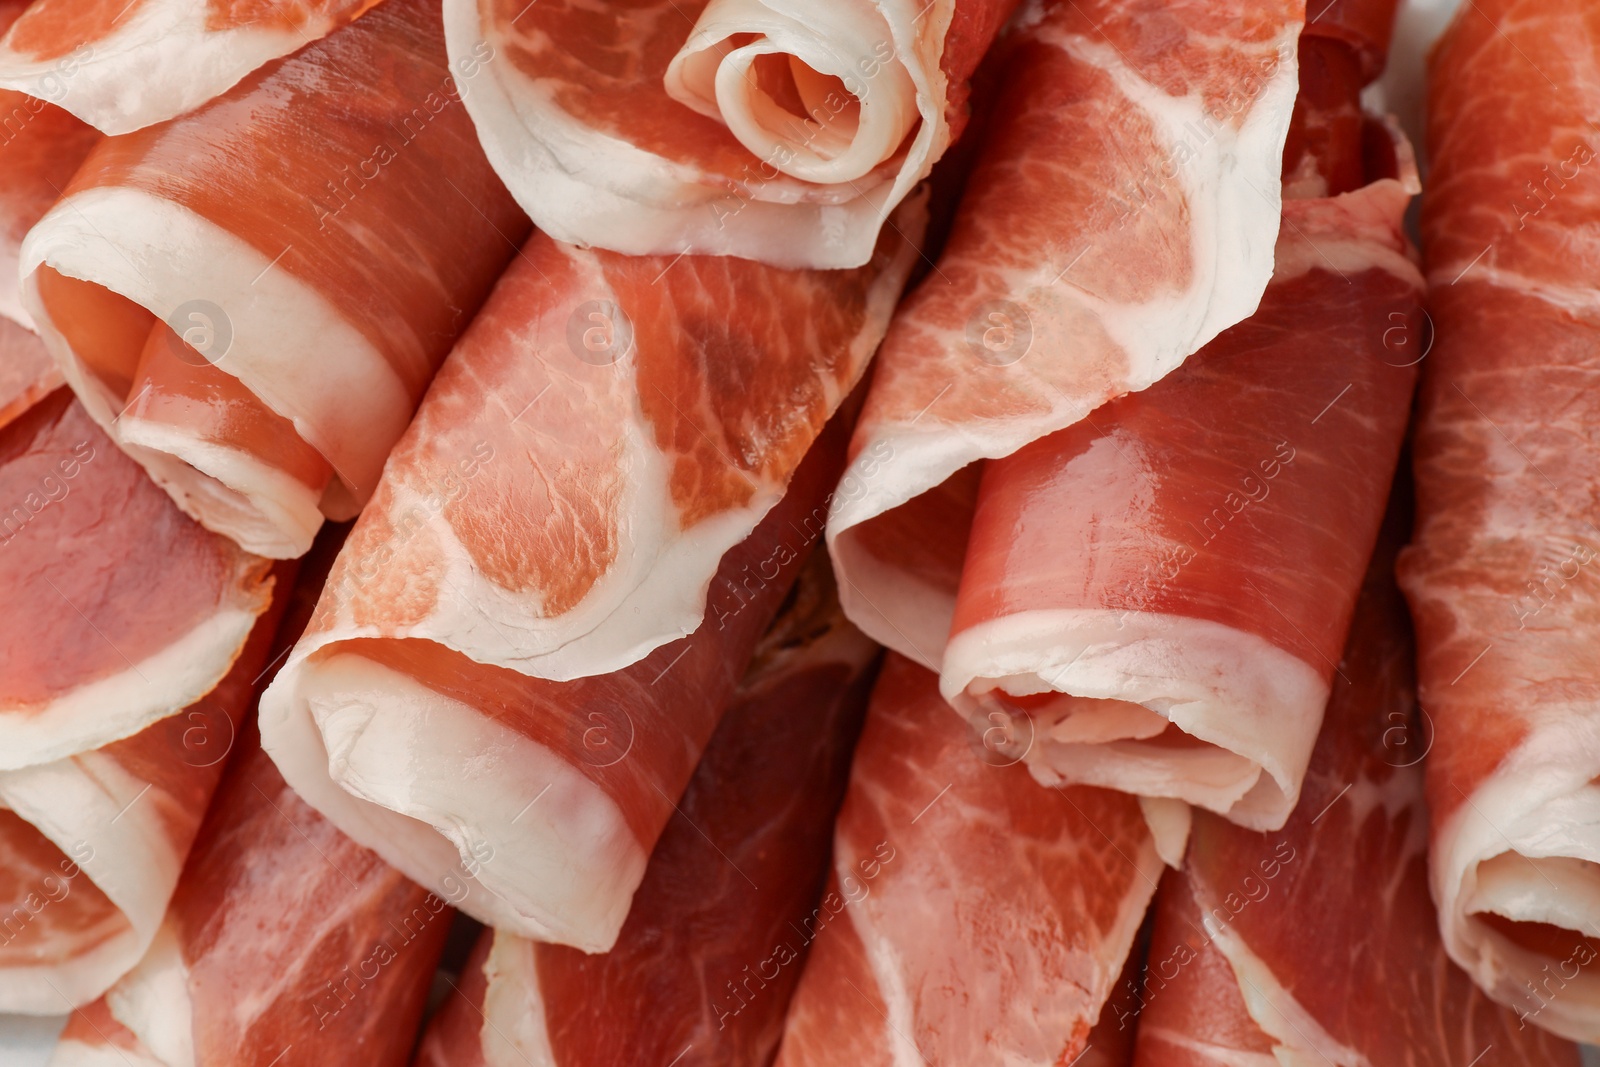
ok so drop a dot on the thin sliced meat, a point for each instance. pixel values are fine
(1508, 436)
(252, 298)
(121, 65)
(286, 944)
(41, 147)
(27, 373)
(605, 431)
(702, 972)
(973, 918)
(544, 798)
(1121, 214)
(1318, 944)
(781, 132)
(1135, 601)
(133, 612)
(91, 844)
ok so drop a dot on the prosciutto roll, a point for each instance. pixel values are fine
(972, 917)
(253, 308)
(778, 131)
(544, 798)
(123, 688)
(1237, 976)
(1121, 214)
(123, 66)
(283, 935)
(715, 942)
(1498, 578)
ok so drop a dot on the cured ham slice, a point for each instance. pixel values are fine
(778, 131)
(1499, 577)
(973, 917)
(134, 612)
(91, 843)
(123, 66)
(283, 935)
(1121, 214)
(543, 798)
(1238, 975)
(712, 949)
(27, 373)
(253, 309)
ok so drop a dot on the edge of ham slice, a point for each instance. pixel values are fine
(120, 68)
(1120, 138)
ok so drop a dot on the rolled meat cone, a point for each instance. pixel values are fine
(1135, 610)
(125, 684)
(1121, 214)
(1507, 437)
(545, 798)
(251, 299)
(785, 132)
(713, 947)
(972, 917)
(123, 66)
(1267, 951)
(284, 939)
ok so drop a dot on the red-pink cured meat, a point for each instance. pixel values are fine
(544, 797)
(777, 131)
(94, 828)
(120, 65)
(702, 972)
(1507, 440)
(252, 298)
(1121, 214)
(973, 918)
(1265, 951)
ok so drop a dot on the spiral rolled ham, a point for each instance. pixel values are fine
(123, 66)
(776, 131)
(972, 917)
(1500, 573)
(718, 933)
(1122, 213)
(252, 298)
(1237, 976)
(123, 686)
(545, 798)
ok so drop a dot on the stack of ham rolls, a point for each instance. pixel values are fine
(737, 533)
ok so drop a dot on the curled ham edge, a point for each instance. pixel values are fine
(589, 188)
(1232, 190)
(165, 52)
(1258, 707)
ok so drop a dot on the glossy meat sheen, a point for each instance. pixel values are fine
(586, 118)
(973, 918)
(86, 55)
(1237, 969)
(111, 571)
(716, 938)
(1120, 215)
(321, 237)
(1499, 574)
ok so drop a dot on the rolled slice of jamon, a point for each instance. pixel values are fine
(604, 432)
(714, 945)
(1267, 948)
(284, 939)
(126, 65)
(972, 918)
(778, 131)
(1500, 576)
(116, 725)
(252, 298)
(1121, 214)
(545, 798)
(1135, 608)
